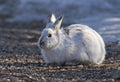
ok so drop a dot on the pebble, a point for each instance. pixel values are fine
(116, 75)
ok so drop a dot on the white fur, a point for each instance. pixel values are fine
(73, 43)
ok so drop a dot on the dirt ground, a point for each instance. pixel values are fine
(21, 61)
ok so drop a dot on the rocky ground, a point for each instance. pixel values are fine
(20, 60)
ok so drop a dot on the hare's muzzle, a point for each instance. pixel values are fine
(41, 43)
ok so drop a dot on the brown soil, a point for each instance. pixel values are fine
(21, 61)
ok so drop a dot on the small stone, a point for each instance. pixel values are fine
(80, 66)
(116, 75)
(119, 43)
(8, 80)
(118, 68)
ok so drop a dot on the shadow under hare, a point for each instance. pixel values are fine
(75, 44)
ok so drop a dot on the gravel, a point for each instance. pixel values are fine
(21, 61)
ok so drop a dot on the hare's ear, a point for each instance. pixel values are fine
(52, 18)
(58, 22)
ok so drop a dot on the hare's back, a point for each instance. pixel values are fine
(85, 32)
(91, 40)
(78, 30)
(78, 26)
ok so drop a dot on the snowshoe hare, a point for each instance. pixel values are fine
(73, 44)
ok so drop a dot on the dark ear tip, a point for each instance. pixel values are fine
(51, 18)
(50, 15)
(61, 17)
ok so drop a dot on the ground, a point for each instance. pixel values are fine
(21, 61)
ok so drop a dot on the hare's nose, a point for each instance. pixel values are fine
(42, 43)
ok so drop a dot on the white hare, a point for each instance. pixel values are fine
(73, 44)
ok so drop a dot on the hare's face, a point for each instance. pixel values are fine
(48, 39)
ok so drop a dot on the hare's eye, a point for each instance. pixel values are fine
(49, 35)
